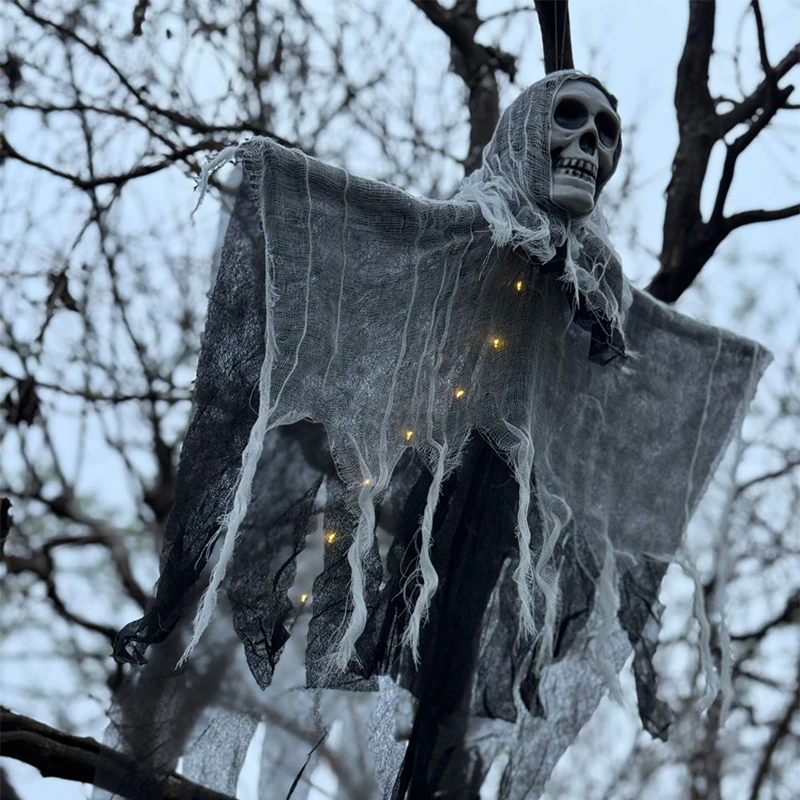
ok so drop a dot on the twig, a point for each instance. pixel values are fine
(762, 45)
(781, 730)
(299, 775)
(96, 50)
(768, 476)
(138, 16)
(5, 523)
(64, 507)
(99, 397)
(789, 616)
(7, 150)
(745, 109)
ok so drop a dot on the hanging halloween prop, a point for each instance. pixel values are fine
(374, 336)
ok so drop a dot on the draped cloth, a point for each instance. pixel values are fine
(504, 440)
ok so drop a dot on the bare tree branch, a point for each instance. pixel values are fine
(698, 134)
(688, 241)
(760, 215)
(735, 149)
(66, 507)
(748, 107)
(74, 758)
(476, 65)
(762, 46)
(101, 397)
(8, 151)
(41, 564)
(509, 12)
(96, 50)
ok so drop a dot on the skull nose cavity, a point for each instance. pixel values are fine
(588, 143)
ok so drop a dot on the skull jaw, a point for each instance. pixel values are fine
(572, 194)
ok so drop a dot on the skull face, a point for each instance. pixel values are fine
(584, 133)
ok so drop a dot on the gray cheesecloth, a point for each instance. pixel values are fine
(496, 441)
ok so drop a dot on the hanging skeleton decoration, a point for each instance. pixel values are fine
(408, 330)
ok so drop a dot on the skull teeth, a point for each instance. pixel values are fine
(581, 175)
(579, 167)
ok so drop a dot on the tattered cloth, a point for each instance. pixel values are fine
(406, 329)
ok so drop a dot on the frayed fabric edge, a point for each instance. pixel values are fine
(229, 528)
(225, 156)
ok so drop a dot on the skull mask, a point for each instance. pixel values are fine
(584, 135)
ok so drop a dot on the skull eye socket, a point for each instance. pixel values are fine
(570, 114)
(608, 129)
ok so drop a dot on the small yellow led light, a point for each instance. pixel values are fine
(367, 481)
(460, 393)
(497, 342)
(519, 286)
(330, 537)
(303, 598)
(408, 435)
